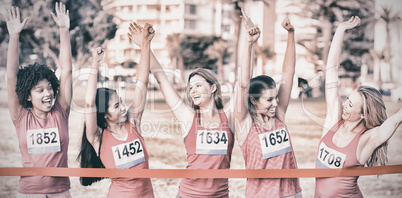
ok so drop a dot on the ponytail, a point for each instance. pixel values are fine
(89, 159)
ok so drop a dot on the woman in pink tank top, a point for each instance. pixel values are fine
(260, 129)
(209, 141)
(112, 137)
(355, 132)
(39, 109)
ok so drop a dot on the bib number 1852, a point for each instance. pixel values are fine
(43, 140)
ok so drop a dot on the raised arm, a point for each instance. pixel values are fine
(136, 108)
(230, 105)
(241, 111)
(379, 135)
(14, 27)
(90, 95)
(288, 71)
(334, 104)
(63, 21)
(180, 109)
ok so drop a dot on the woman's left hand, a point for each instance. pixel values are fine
(62, 19)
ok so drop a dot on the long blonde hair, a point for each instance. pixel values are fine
(374, 115)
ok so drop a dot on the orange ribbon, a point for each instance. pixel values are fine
(198, 173)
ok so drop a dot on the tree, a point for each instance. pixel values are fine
(330, 12)
(389, 18)
(326, 14)
(265, 52)
(89, 26)
(175, 52)
(218, 50)
(193, 48)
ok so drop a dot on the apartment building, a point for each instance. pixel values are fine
(168, 17)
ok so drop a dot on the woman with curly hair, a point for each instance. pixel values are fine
(39, 109)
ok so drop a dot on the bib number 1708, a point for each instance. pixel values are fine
(329, 158)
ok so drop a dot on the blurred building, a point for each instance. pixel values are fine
(167, 17)
(211, 17)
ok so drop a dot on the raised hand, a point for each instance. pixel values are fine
(97, 54)
(13, 21)
(148, 32)
(62, 19)
(253, 34)
(246, 20)
(287, 25)
(135, 33)
(351, 23)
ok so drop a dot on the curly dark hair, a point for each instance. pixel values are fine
(29, 76)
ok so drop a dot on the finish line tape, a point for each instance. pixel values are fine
(198, 173)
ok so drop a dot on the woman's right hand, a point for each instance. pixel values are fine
(253, 32)
(351, 23)
(135, 33)
(97, 54)
(148, 32)
(14, 24)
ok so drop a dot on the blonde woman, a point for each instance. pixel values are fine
(355, 132)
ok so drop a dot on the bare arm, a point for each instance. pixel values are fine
(136, 109)
(90, 94)
(181, 110)
(14, 27)
(241, 111)
(379, 135)
(288, 71)
(334, 104)
(66, 91)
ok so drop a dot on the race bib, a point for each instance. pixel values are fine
(274, 143)
(128, 154)
(43, 140)
(329, 158)
(212, 142)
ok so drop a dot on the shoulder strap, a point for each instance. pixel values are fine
(100, 143)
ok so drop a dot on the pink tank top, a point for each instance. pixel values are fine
(270, 149)
(207, 149)
(331, 156)
(43, 143)
(130, 153)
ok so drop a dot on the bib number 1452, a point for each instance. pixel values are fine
(128, 154)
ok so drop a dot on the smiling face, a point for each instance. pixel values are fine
(200, 91)
(352, 107)
(267, 102)
(117, 111)
(42, 97)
